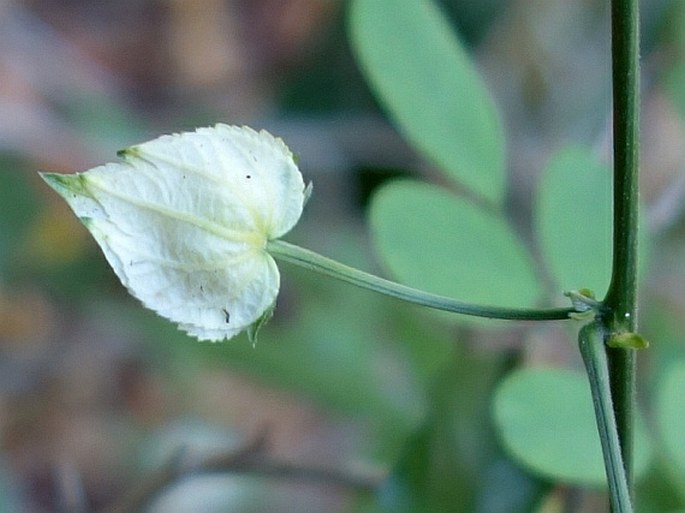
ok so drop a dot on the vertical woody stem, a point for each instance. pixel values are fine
(621, 299)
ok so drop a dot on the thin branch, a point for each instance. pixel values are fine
(252, 459)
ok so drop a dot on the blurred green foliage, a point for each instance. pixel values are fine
(426, 82)
(470, 246)
(556, 438)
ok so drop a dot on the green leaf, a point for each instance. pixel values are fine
(546, 422)
(425, 80)
(671, 418)
(674, 78)
(573, 217)
(433, 240)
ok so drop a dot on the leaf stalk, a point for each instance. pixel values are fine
(315, 262)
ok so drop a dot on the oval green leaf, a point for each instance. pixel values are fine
(671, 417)
(546, 422)
(573, 217)
(426, 82)
(433, 240)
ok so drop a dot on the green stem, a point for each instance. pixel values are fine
(621, 299)
(315, 262)
(594, 351)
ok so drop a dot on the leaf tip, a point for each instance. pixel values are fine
(584, 303)
(67, 185)
(131, 151)
(627, 340)
(307, 194)
(255, 327)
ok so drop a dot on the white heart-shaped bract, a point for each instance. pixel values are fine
(184, 220)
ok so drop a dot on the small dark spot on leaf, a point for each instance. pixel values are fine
(227, 315)
(248, 176)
